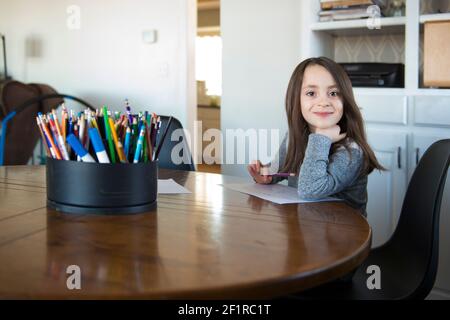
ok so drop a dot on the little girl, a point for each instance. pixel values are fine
(326, 145)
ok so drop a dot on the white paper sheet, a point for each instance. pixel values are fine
(169, 186)
(272, 192)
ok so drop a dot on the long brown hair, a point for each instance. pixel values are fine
(352, 122)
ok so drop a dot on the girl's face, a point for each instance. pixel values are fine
(321, 102)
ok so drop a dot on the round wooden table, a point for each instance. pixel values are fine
(212, 243)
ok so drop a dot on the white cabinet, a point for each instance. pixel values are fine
(420, 143)
(431, 111)
(374, 108)
(386, 189)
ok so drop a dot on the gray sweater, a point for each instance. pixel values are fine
(323, 174)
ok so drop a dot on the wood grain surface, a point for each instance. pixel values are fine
(212, 243)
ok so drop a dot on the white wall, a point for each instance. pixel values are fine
(105, 61)
(261, 46)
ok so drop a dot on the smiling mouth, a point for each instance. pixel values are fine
(323, 114)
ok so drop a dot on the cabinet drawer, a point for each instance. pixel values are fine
(383, 109)
(432, 110)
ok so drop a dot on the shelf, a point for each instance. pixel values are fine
(434, 17)
(432, 92)
(390, 25)
(379, 91)
(320, 40)
(208, 106)
(401, 91)
(208, 31)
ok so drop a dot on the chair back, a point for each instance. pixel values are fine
(174, 154)
(23, 133)
(416, 238)
(19, 104)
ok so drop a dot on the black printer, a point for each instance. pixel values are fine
(381, 75)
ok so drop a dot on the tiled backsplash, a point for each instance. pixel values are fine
(383, 48)
(434, 6)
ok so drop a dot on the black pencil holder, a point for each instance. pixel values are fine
(101, 188)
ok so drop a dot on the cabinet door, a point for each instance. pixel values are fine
(386, 189)
(420, 144)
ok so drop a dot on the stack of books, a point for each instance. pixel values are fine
(336, 10)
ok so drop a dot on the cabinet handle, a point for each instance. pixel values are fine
(417, 156)
(399, 157)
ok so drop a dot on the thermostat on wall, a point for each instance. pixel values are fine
(149, 36)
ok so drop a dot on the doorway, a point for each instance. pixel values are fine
(208, 74)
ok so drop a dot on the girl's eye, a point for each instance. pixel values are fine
(310, 93)
(334, 93)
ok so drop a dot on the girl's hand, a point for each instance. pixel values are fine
(334, 133)
(254, 170)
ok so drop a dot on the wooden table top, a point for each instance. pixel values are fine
(213, 243)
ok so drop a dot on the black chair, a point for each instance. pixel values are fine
(409, 260)
(181, 145)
